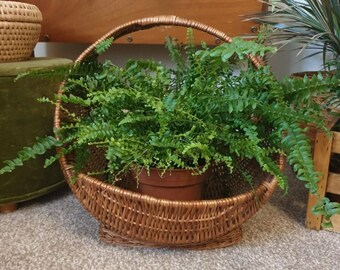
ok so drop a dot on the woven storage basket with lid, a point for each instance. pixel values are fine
(130, 218)
(20, 26)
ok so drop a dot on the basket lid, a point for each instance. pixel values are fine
(11, 11)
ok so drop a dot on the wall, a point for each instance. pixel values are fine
(285, 62)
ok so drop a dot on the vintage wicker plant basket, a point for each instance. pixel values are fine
(20, 26)
(130, 218)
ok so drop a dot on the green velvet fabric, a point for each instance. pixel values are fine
(22, 119)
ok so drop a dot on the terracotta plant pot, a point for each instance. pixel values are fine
(176, 184)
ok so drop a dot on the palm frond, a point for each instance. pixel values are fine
(312, 23)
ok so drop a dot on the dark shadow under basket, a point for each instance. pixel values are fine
(129, 218)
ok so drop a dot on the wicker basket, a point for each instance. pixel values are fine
(20, 26)
(130, 218)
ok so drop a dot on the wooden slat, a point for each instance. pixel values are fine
(322, 152)
(336, 142)
(333, 183)
(86, 21)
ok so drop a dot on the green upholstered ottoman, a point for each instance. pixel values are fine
(22, 119)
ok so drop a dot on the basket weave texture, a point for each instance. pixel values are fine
(130, 218)
(20, 26)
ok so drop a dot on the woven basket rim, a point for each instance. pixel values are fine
(11, 11)
(269, 182)
(162, 20)
(144, 197)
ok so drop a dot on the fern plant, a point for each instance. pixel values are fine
(149, 115)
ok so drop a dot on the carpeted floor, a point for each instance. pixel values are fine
(55, 232)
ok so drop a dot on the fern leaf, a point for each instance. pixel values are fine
(74, 100)
(39, 148)
(55, 73)
(190, 47)
(175, 54)
(104, 45)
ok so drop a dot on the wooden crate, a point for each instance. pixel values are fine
(329, 182)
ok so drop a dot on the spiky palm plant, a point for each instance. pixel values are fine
(315, 24)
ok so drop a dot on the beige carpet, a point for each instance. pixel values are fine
(54, 232)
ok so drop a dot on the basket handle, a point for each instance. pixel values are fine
(150, 22)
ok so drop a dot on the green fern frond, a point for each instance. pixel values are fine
(74, 100)
(299, 155)
(190, 46)
(104, 45)
(303, 89)
(55, 73)
(175, 54)
(40, 147)
(129, 119)
(238, 47)
(271, 167)
(327, 209)
(46, 100)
